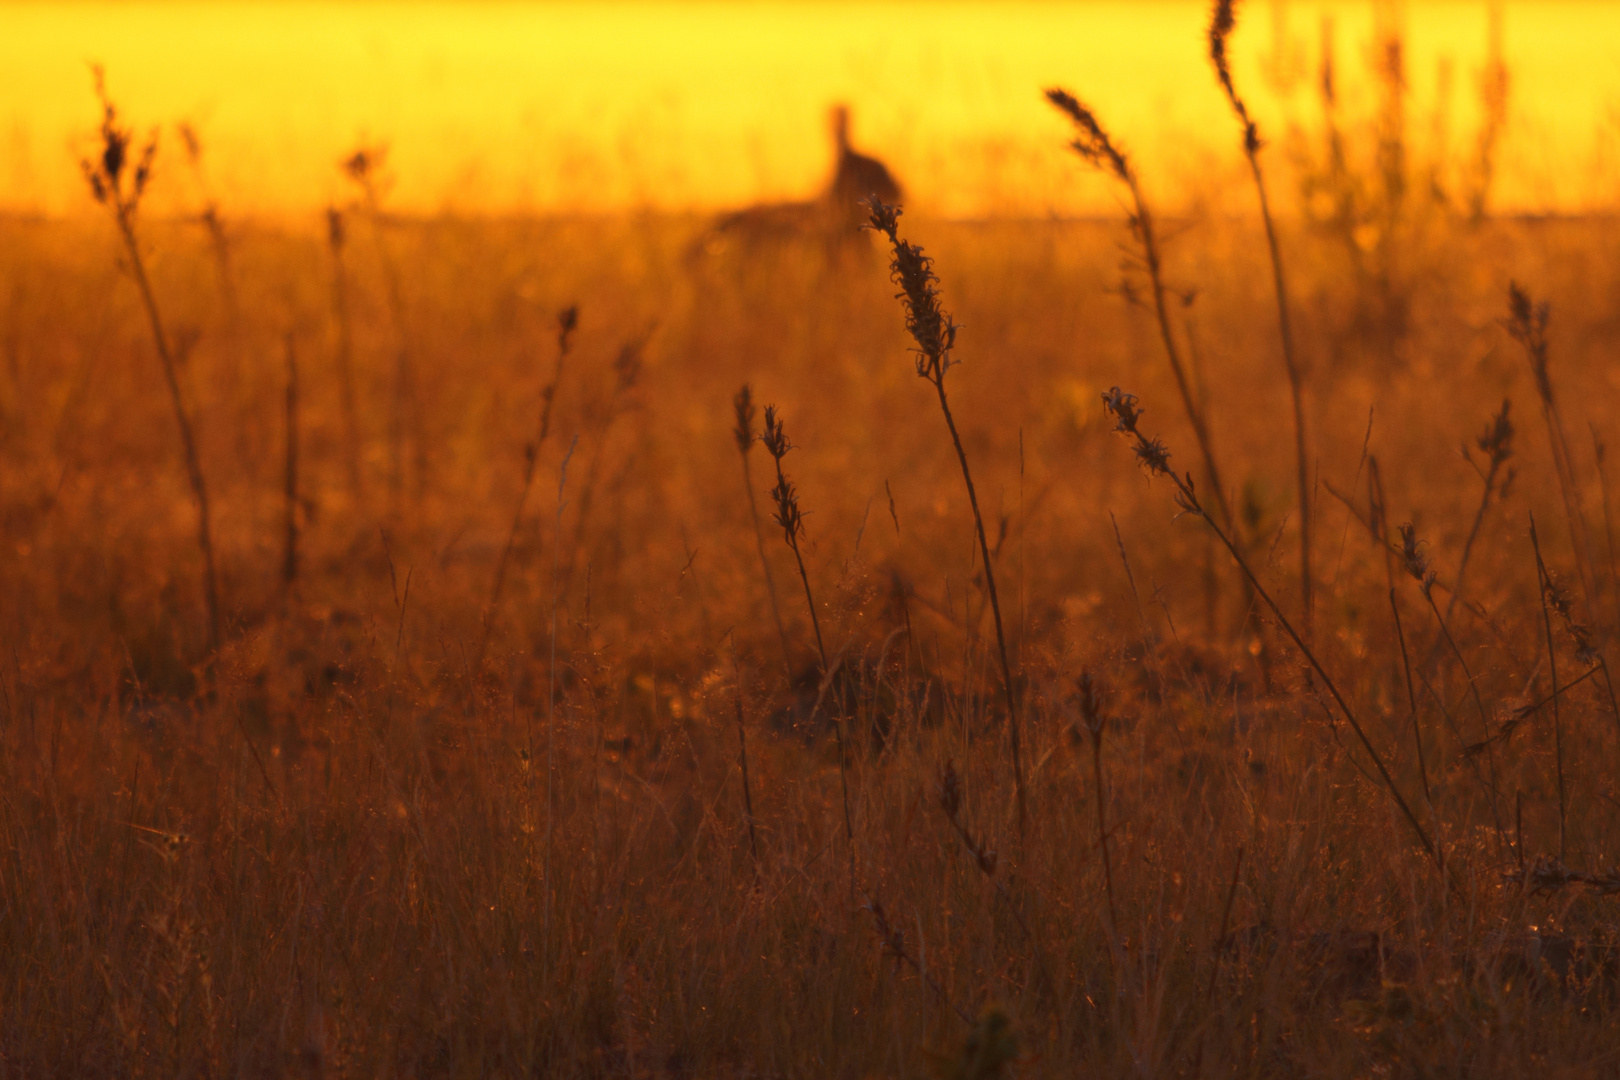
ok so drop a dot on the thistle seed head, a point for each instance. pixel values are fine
(1123, 407)
(1152, 455)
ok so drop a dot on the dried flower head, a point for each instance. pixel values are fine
(365, 162)
(1153, 455)
(913, 271)
(787, 515)
(627, 365)
(950, 791)
(1559, 600)
(335, 233)
(190, 140)
(1122, 406)
(1527, 323)
(1413, 559)
(1088, 699)
(1091, 142)
(742, 407)
(1496, 442)
(567, 323)
(775, 435)
(893, 939)
(1150, 452)
(950, 801)
(106, 174)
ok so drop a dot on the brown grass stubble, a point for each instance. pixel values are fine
(376, 899)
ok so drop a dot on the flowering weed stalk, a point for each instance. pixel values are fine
(117, 182)
(935, 335)
(1222, 23)
(1153, 455)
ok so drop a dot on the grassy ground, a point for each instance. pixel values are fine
(402, 824)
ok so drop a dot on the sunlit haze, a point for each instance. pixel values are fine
(490, 108)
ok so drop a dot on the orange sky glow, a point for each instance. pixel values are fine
(500, 107)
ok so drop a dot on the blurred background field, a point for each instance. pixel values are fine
(503, 762)
(502, 107)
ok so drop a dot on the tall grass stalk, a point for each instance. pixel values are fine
(336, 239)
(365, 168)
(567, 322)
(742, 758)
(1417, 566)
(791, 520)
(1153, 455)
(1543, 583)
(1094, 146)
(118, 183)
(1221, 25)
(935, 335)
(289, 554)
(551, 696)
(742, 407)
(1527, 324)
(1496, 442)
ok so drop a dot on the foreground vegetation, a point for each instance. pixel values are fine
(446, 701)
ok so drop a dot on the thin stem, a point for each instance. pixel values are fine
(1155, 455)
(551, 693)
(1295, 387)
(289, 559)
(188, 442)
(742, 753)
(1195, 416)
(1226, 917)
(790, 528)
(765, 563)
(1102, 840)
(1493, 789)
(345, 350)
(1473, 534)
(938, 379)
(531, 455)
(1411, 698)
(1552, 668)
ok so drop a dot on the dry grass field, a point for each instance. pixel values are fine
(510, 749)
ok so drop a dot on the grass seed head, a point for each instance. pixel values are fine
(1414, 560)
(742, 407)
(567, 323)
(1527, 323)
(1496, 442)
(1088, 698)
(775, 435)
(335, 231)
(913, 271)
(1221, 24)
(1091, 142)
(950, 791)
